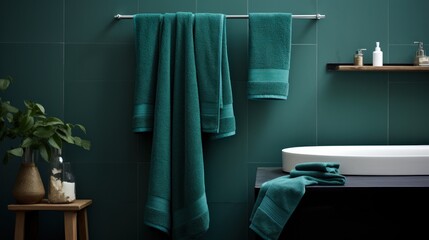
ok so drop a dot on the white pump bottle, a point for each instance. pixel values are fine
(377, 56)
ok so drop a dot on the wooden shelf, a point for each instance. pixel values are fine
(346, 67)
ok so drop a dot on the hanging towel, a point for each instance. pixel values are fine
(278, 198)
(157, 212)
(147, 28)
(214, 83)
(176, 201)
(270, 37)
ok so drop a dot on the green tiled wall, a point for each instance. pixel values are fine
(75, 59)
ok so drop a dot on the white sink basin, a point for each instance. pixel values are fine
(364, 160)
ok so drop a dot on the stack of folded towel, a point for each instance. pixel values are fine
(279, 197)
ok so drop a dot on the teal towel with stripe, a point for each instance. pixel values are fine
(279, 197)
(214, 83)
(270, 38)
(176, 201)
(147, 29)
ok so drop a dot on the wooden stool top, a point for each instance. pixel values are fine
(76, 205)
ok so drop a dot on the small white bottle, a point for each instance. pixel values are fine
(377, 56)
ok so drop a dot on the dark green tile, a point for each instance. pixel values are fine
(31, 21)
(225, 165)
(408, 21)
(408, 115)
(223, 6)
(237, 49)
(93, 21)
(37, 70)
(404, 53)
(113, 188)
(274, 125)
(164, 6)
(303, 30)
(353, 108)
(105, 109)
(100, 62)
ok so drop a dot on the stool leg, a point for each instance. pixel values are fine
(20, 225)
(83, 224)
(70, 225)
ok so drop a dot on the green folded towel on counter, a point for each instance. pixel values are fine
(279, 197)
(331, 167)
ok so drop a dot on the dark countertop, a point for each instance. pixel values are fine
(264, 174)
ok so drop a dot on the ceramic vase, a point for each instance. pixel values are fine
(28, 186)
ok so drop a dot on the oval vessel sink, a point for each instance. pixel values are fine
(363, 160)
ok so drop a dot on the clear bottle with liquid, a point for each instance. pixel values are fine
(358, 60)
(61, 180)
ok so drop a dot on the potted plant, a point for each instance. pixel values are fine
(37, 133)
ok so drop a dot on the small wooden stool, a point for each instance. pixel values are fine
(74, 216)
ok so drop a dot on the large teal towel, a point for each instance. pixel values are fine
(147, 27)
(270, 37)
(176, 201)
(214, 83)
(278, 198)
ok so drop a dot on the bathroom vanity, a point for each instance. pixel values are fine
(366, 207)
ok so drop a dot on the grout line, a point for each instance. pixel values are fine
(64, 58)
(388, 76)
(317, 77)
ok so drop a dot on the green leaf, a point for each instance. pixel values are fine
(40, 107)
(44, 132)
(4, 83)
(65, 134)
(8, 107)
(55, 142)
(17, 152)
(27, 142)
(9, 117)
(51, 121)
(25, 123)
(44, 152)
(86, 144)
(81, 127)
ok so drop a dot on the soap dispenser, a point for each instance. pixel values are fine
(421, 59)
(377, 56)
(359, 57)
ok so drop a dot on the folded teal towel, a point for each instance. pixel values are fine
(147, 29)
(214, 83)
(324, 178)
(278, 198)
(331, 167)
(270, 37)
(176, 201)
